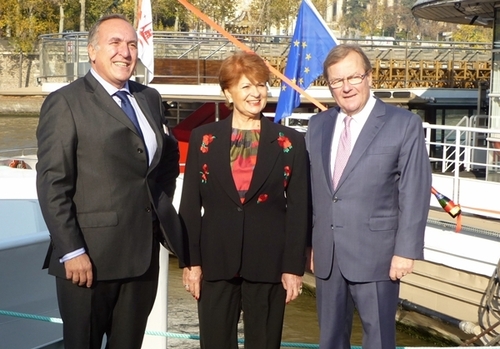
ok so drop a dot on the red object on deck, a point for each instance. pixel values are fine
(203, 115)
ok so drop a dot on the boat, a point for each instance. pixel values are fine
(29, 314)
(23, 244)
(456, 283)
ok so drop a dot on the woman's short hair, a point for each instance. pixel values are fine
(242, 63)
(340, 52)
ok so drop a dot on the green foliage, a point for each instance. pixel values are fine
(169, 15)
(97, 9)
(353, 13)
(23, 21)
(472, 33)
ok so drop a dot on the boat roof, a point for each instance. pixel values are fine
(472, 12)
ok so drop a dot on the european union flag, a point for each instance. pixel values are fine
(311, 42)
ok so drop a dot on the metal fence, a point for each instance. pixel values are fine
(396, 63)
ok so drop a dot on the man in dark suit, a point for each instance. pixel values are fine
(371, 181)
(105, 179)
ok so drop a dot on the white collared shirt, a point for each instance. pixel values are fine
(357, 123)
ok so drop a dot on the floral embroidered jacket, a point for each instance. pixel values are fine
(267, 234)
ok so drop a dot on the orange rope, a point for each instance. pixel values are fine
(244, 47)
(459, 223)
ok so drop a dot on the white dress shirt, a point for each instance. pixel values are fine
(357, 123)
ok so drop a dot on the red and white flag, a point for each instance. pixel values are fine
(145, 36)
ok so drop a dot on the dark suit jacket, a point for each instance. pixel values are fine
(380, 206)
(94, 184)
(266, 235)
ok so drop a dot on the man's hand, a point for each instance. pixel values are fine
(400, 266)
(79, 270)
(191, 278)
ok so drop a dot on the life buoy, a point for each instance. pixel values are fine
(18, 164)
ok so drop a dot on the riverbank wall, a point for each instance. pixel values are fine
(20, 105)
(21, 101)
(18, 70)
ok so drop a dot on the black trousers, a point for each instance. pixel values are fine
(117, 308)
(219, 308)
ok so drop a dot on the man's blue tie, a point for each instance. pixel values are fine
(128, 109)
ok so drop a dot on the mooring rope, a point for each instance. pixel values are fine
(149, 332)
(188, 336)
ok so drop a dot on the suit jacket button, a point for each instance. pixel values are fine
(140, 151)
(239, 209)
(148, 209)
(335, 199)
(331, 226)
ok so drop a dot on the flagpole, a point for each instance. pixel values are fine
(244, 47)
(136, 20)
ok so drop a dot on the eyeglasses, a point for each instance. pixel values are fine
(355, 79)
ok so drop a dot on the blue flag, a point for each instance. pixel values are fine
(311, 42)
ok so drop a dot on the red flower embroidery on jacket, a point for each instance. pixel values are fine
(262, 198)
(206, 140)
(284, 142)
(286, 174)
(204, 173)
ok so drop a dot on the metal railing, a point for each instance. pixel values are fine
(452, 149)
(402, 64)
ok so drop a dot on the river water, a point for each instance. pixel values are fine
(300, 326)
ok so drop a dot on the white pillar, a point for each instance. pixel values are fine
(158, 319)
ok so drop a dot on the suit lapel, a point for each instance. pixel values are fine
(219, 160)
(267, 155)
(373, 124)
(143, 104)
(326, 144)
(103, 100)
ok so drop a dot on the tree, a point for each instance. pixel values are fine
(169, 14)
(217, 10)
(373, 18)
(353, 11)
(26, 20)
(472, 33)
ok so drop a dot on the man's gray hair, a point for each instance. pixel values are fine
(93, 32)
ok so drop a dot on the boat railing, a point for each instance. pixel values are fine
(463, 149)
(460, 150)
(402, 64)
(21, 152)
(24, 158)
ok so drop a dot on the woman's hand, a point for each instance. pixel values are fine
(191, 279)
(293, 286)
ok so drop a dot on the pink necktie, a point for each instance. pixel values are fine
(343, 151)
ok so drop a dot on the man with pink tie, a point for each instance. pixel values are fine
(371, 180)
